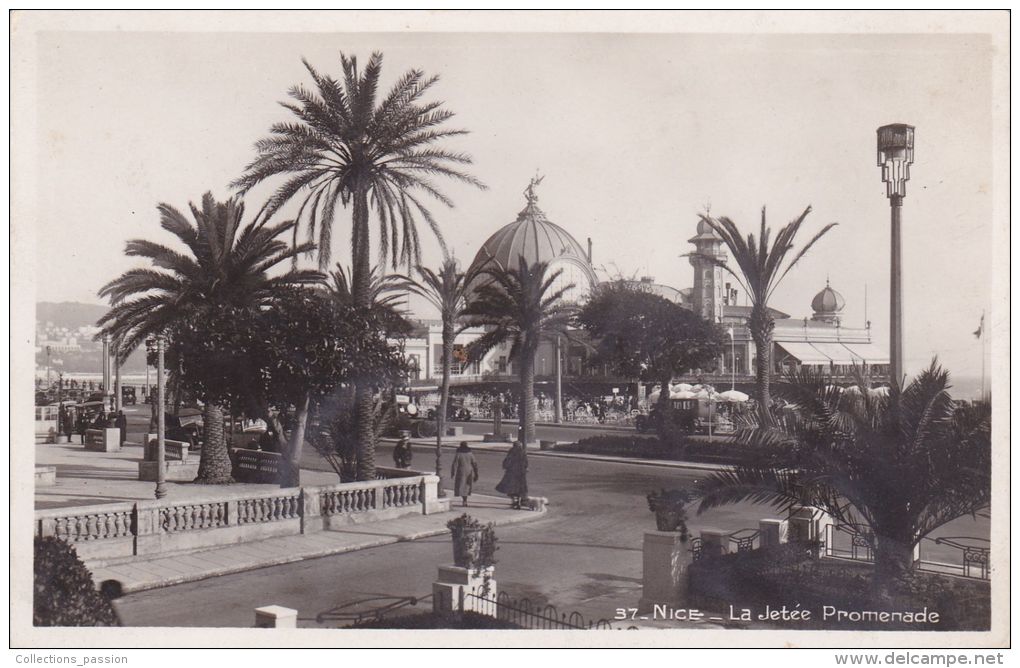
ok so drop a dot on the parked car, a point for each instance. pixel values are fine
(128, 396)
(455, 411)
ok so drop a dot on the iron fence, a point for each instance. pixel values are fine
(856, 543)
(525, 614)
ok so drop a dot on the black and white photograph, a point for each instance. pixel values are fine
(512, 328)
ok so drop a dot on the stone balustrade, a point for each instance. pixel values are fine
(118, 532)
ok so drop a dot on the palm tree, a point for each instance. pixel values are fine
(522, 306)
(759, 270)
(448, 292)
(892, 466)
(384, 298)
(349, 147)
(225, 266)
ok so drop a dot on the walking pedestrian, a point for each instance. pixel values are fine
(464, 473)
(515, 475)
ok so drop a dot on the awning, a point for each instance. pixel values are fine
(804, 353)
(838, 353)
(871, 353)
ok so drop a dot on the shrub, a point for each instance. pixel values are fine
(65, 594)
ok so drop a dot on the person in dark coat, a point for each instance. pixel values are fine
(402, 451)
(80, 425)
(464, 473)
(120, 422)
(515, 476)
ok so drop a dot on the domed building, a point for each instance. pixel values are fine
(827, 305)
(537, 239)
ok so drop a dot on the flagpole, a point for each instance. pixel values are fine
(984, 395)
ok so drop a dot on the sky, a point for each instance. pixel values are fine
(635, 135)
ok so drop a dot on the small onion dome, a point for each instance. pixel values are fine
(705, 233)
(827, 304)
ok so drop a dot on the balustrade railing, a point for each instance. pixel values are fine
(101, 524)
(150, 526)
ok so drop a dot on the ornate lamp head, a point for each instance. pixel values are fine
(895, 155)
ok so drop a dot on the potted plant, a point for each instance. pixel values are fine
(474, 543)
(669, 506)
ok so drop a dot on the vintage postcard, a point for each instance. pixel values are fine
(528, 328)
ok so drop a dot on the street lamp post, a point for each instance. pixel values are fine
(558, 406)
(733, 360)
(160, 421)
(895, 155)
(116, 385)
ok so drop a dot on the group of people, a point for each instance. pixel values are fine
(73, 422)
(515, 474)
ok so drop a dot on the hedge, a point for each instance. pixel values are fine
(693, 449)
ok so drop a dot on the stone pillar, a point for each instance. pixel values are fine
(665, 562)
(275, 617)
(430, 495)
(773, 532)
(311, 516)
(809, 524)
(456, 587)
(111, 439)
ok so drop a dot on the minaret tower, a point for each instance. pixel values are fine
(707, 295)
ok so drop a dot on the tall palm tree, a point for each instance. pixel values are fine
(447, 291)
(760, 268)
(892, 467)
(521, 306)
(349, 147)
(225, 265)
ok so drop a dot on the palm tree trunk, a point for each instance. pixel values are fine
(290, 475)
(527, 397)
(761, 325)
(444, 400)
(894, 558)
(360, 286)
(214, 467)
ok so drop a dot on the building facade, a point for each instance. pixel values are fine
(820, 341)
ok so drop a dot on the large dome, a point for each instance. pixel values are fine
(535, 238)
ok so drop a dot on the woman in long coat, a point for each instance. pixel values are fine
(515, 477)
(465, 472)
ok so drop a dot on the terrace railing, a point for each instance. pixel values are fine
(120, 531)
(856, 543)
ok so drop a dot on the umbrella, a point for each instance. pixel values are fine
(879, 391)
(705, 395)
(735, 396)
(683, 387)
(683, 394)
